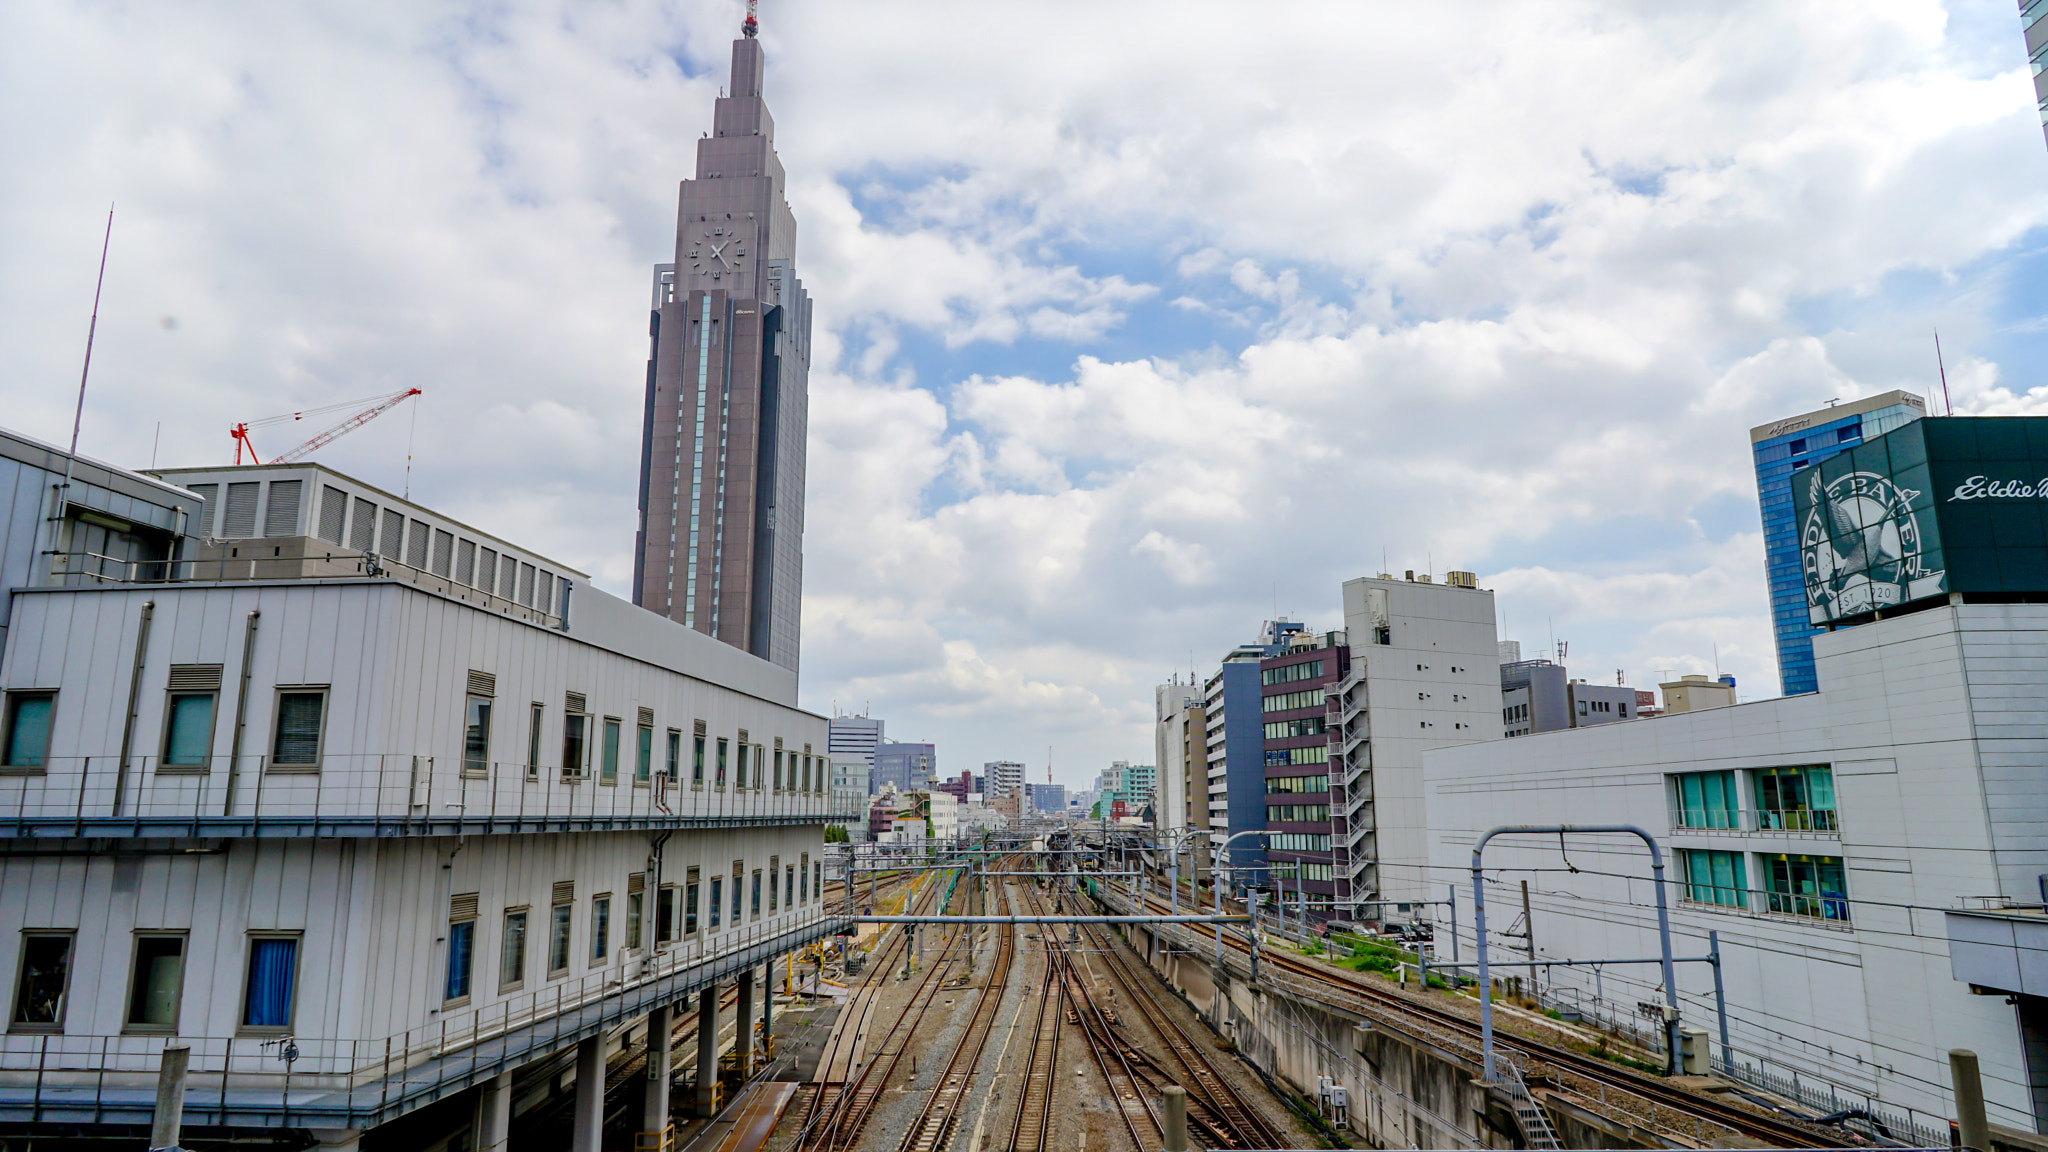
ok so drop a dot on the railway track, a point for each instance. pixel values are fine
(1591, 1079)
(1033, 1123)
(934, 1122)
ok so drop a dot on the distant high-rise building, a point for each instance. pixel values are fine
(907, 766)
(1782, 448)
(1177, 746)
(854, 738)
(720, 546)
(1003, 776)
(1236, 782)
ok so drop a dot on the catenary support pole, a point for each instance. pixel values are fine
(1720, 995)
(169, 1119)
(768, 1009)
(587, 1130)
(1453, 902)
(1974, 1130)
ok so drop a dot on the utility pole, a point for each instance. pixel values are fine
(1528, 927)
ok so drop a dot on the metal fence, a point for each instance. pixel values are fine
(375, 794)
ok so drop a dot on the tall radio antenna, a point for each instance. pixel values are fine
(62, 496)
(1948, 407)
(753, 25)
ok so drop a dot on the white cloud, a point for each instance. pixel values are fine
(1132, 318)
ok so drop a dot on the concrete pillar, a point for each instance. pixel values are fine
(1174, 1103)
(768, 1010)
(743, 1028)
(169, 1118)
(655, 1118)
(494, 1114)
(1973, 1129)
(587, 1130)
(706, 1103)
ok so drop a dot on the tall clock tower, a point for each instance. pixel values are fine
(720, 546)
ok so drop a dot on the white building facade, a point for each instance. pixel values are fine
(424, 824)
(1831, 841)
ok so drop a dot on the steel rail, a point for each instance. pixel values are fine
(934, 1122)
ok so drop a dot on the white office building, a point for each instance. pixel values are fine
(1002, 778)
(330, 775)
(1834, 841)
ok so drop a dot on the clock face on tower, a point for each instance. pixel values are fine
(717, 249)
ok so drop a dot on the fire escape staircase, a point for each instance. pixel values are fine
(1530, 1118)
(1350, 770)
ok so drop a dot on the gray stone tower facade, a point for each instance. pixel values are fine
(720, 546)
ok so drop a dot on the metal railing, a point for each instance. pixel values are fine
(79, 569)
(287, 1080)
(371, 794)
(1900, 1122)
(1826, 908)
(1820, 821)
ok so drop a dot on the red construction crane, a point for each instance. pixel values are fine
(377, 406)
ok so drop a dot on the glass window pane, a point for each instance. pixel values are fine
(633, 920)
(643, 756)
(572, 743)
(611, 750)
(298, 728)
(675, 756)
(189, 740)
(28, 730)
(476, 736)
(272, 964)
(159, 975)
(690, 909)
(717, 900)
(512, 962)
(461, 957)
(45, 962)
(600, 927)
(558, 938)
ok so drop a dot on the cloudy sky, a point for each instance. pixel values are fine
(1137, 320)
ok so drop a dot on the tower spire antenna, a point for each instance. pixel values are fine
(753, 25)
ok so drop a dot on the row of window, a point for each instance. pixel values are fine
(1514, 713)
(1298, 842)
(1799, 798)
(1299, 870)
(189, 713)
(1289, 673)
(1288, 701)
(786, 885)
(1285, 729)
(1297, 784)
(1793, 885)
(156, 981)
(1288, 757)
(1599, 706)
(1296, 813)
(744, 765)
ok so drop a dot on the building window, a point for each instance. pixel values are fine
(1298, 784)
(717, 902)
(1705, 800)
(719, 781)
(600, 927)
(643, 754)
(188, 730)
(1288, 673)
(573, 758)
(26, 743)
(633, 904)
(476, 737)
(44, 983)
(559, 924)
(665, 915)
(301, 713)
(158, 982)
(1716, 877)
(1290, 757)
(1806, 886)
(755, 905)
(697, 764)
(1297, 813)
(1288, 729)
(533, 744)
(512, 959)
(739, 872)
(818, 880)
(273, 977)
(774, 869)
(803, 880)
(1796, 799)
(1288, 701)
(739, 774)
(461, 959)
(675, 755)
(608, 769)
(1297, 842)
(788, 885)
(690, 904)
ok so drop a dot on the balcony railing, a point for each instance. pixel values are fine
(313, 1081)
(1823, 821)
(1832, 907)
(373, 795)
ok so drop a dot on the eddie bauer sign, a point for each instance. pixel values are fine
(1937, 506)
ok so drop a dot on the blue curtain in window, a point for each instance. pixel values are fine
(271, 969)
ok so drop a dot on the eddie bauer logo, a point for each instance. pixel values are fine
(1984, 488)
(1861, 548)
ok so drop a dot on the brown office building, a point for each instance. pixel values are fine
(720, 546)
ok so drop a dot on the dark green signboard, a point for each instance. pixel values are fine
(1944, 504)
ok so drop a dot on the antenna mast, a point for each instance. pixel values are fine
(752, 27)
(1948, 407)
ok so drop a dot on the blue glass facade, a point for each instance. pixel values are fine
(1777, 459)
